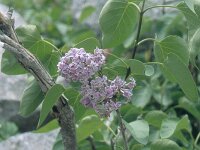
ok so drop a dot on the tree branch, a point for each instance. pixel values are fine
(32, 65)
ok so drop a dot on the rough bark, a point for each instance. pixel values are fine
(64, 111)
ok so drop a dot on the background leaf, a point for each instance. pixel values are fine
(165, 144)
(139, 129)
(117, 21)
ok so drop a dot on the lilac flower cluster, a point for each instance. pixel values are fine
(98, 93)
(77, 65)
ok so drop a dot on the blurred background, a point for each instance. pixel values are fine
(65, 23)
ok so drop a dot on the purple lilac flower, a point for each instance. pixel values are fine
(77, 65)
(99, 93)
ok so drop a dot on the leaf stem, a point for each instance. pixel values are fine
(144, 40)
(137, 38)
(197, 139)
(122, 128)
(158, 6)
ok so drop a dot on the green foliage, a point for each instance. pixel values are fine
(7, 129)
(87, 126)
(163, 113)
(139, 129)
(115, 21)
(50, 99)
(31, 98)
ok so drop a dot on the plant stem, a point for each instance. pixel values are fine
(122, 128)
(197, 139)
(137, 38)
(158, 6)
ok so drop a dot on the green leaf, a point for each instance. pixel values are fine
(192, 18)
(7, 129)
(45, 52)
(86, 12)
(53, 124)
(176, 45)
(31, 98)
(88, 126)
(194, 46)
(190, 4)
(139, 129)
(137, 67)
(152, 118)
(165, 144)
(10, 65)
(182, 75)
(74, 97)
(28, 35)
(170, 126)
(88, 44)
(117, 20)
(142, 96)
(50, 99)
(189, 107)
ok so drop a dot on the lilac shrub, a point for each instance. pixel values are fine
(98, 92)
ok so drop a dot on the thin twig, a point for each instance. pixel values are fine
(122, 128)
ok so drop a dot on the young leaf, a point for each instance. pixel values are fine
(88, 44)
(10, 65)
(31, 98)
(50, 99)
(139, 129)
(165, 144)
(88, 126)
(117, 20)
(28, 35)
(182, 75)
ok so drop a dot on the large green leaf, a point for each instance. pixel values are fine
(87, 126)
(165, 144)
(117, 21)
(10, 65)
(139, 129)
(31, 98)
(137, 67)
(28, 35)
(46, 53)
(170, 126)
(176, 45)
(50, 99)
(88, 44)
(182, 75)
